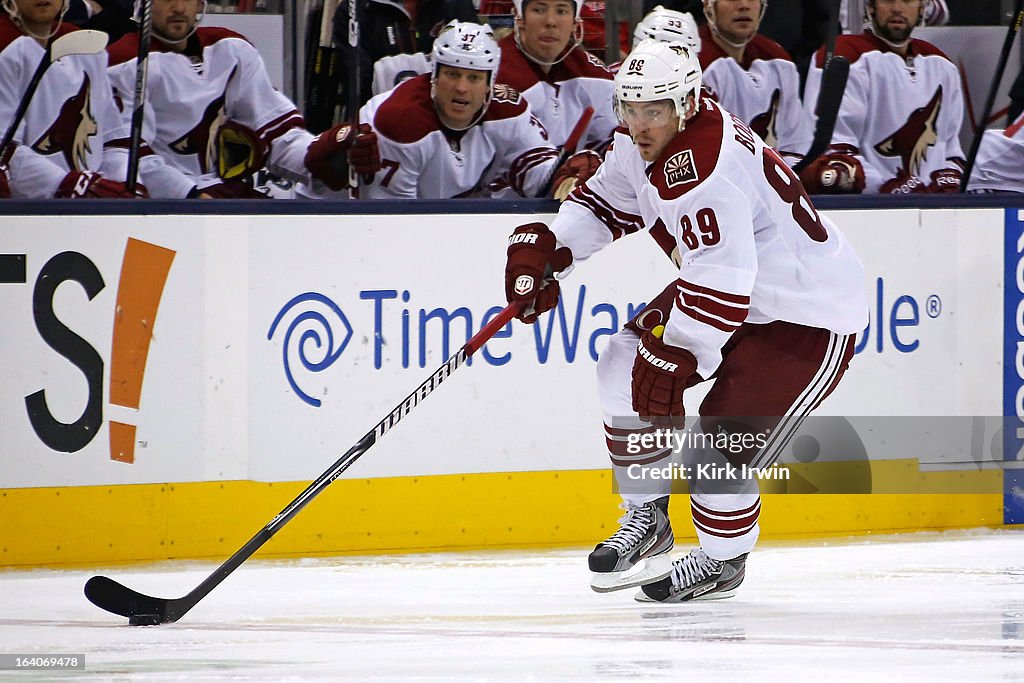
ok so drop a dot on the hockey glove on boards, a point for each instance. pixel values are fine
(329, 155)
(533, 260)
(903, 184)
(945, 181)
(87, 184)
(574, 171)
(833, 174)
(660, 375)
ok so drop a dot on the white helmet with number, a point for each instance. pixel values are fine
(668, 26)
(660, 71)
(466, 45)
(518, 4)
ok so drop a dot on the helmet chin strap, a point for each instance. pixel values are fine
(195, 27)
(577, 35)
(710, 13)
(15, 15)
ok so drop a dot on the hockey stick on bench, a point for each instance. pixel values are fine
(75, 43)
(568, 149)
(144, 610)
(139, 101)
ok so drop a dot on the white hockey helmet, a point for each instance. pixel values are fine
(467, 45)
(518, 4)
(668, 26)
(654, 71)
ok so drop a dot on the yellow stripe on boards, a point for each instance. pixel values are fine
(146, 522)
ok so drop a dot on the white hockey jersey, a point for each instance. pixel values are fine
(753, 248)
(999, 165)
(507, 148)
(763, 90)
(190, 94)
(559, 97)
(389, 72)
(899, 117)
(71, 123)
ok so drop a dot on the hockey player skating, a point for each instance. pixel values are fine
(72, 141)
(898, 127)
(753, 77)
(207, 94)
(457, 132)
(544, 61)
(767, 302)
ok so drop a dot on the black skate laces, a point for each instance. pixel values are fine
(635, 524)
(693, 569)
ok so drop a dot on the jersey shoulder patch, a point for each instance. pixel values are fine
(507, 103)
(407, 115)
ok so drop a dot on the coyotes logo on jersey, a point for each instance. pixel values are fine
(911, 142)
(201, 140)
(70, 133)
(764, 124)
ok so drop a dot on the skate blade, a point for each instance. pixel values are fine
(643, 597)
(650, 570)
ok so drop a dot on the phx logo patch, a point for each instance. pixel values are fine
(680, 169)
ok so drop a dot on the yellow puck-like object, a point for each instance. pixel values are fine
(658, 331)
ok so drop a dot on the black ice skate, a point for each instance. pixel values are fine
(637, 553)
(697, 577)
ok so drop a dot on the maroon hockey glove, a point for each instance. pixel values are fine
(945, 181)
(903, 184)
(330, 153)
(833, 174)
(533, 259)
(660, 374)
(574, 171)
(92, 185)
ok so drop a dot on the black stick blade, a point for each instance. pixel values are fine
(119, 599)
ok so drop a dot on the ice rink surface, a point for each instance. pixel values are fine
(928, 606)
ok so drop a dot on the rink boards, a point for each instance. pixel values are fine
(171, 382)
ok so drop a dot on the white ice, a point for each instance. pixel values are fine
(927, 606)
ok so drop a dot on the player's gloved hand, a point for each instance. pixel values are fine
(5, 188)
(229, 189)
(88, 184)
(574, 171)
(329, 155)
(833, 174)
(533, 260)
(903, 184)
(945, 180)
(660, 374)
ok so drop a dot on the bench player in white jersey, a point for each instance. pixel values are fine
(208, 82)
(72, 141)
(898, 126)
(753, 77)
(459, 133)
(544, 61)
(999, 167)
(767, 301)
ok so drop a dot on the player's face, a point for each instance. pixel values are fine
(737, 20)
(895, 19)
(546, 28)
(38, 15)
(459, 95)
(652, 125)
(175, 19)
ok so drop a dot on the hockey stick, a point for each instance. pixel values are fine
(568, 149)
(144, 610)
(354, 76)
(139, 103)
(834, 74)
(1011, 34)
(323, 80)
(75, 43)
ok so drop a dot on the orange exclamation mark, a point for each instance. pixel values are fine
(143, 275)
